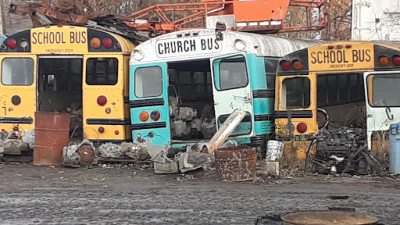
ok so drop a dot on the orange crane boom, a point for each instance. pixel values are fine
(260, 16)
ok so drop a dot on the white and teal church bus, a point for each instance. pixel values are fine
(184, 85)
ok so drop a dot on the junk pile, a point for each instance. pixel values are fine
(187, 123)
(15, 142)
(342, 150)
(84, 153)
(192, 158)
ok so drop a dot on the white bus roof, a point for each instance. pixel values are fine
(202, 44)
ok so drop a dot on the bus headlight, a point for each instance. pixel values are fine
(240, 45)
(138, 55)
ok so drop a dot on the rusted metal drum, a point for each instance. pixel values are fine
(328, 217)
(51, 135)
(236, 163)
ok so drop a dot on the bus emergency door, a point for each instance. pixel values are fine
(231, 90)
(148, 95)
(382, 101)
(18, 91)
(103, 98)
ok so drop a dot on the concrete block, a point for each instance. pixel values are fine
(272, 168)
(168, 167)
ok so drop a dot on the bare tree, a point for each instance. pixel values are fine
(339, 24)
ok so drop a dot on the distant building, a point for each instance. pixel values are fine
(376, 20)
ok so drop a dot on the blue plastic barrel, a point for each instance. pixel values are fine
(394, 156)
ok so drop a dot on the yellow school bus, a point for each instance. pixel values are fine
(336, 85)
(75, 70)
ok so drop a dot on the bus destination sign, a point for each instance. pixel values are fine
(60, 41)
(354, 57)
(188, 46)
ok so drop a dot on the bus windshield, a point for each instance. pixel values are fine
(385, 90)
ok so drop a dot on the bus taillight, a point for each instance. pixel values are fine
(11, 43)
(102, 100)
(297, 64)
(107, 43)
(101, 129)
(116, 132)
(144, 116)
(384, 61)
(285, 65)
(95, 43)
(155, 115)
(396, 60)
(301, 127)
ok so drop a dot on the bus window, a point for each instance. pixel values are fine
(148, 82)
(232, 73)
(296, 92)
(385, 90)
(17, 71)
(270, 70)
(102, 71)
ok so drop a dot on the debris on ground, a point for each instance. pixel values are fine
(75, 155)
(342, 150)
(225, 130)
(182, 162)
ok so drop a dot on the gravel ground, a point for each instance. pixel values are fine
(135, 195)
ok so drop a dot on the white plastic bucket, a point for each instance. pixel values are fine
(274, 150)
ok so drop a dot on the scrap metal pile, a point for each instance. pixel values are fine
(342, 150)
(72, 12)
